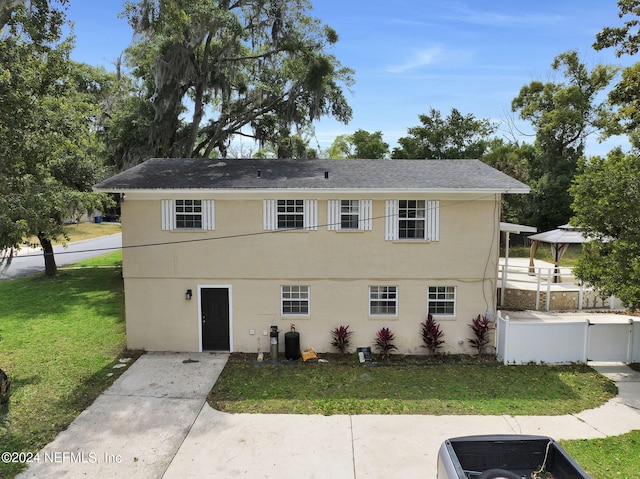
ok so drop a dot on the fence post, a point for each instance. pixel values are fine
(630, 342)
(580, 294)
(538, 290)
(634, 354)
(586, 341)
(503, 269)
(505, 356)
(548, 298)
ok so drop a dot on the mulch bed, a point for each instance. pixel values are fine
(352, 359)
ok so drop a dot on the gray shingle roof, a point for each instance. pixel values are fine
(189, 173)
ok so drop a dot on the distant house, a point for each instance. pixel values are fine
(218, 251)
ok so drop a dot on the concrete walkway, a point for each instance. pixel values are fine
(154, 423)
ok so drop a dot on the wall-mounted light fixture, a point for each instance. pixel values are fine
(188, 295)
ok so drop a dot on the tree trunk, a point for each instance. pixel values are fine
(198, 106)
(5, 393)
(50, 267)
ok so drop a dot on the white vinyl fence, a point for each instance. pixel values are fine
(567, 341)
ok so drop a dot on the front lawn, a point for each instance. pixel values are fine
(615, 457)
(344, 386)
(59, 338)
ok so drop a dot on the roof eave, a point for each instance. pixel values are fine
(492, 191)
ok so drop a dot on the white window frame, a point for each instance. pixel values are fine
(300, 294)
(189, 212)
(349, 214)
(412, 219)
(443, 299)
(431, 220)
(270, 214)
(290, 208)
(335, 215)
(170, 214)
(381, 294)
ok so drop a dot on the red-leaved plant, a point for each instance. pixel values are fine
(384, 342)
(431, 334)
(341, 338)
(481, 327)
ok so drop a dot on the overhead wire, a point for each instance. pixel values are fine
(245, 235)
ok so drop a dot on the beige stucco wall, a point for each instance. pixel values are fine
(338, 266)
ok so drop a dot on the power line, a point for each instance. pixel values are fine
(241, 235)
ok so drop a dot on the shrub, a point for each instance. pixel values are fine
(341, 338)
(431, 334)
(481, 327)
(384, 342)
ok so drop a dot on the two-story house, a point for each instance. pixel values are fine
(215, 252)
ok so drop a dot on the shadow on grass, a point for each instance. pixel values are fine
(67, 408)
(40, 295)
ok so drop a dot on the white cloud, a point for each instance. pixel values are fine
(419, 59)
(496, 19)
(493, 17)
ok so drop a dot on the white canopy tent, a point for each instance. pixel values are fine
(559, 239)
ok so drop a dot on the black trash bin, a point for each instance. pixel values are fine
(292, 345)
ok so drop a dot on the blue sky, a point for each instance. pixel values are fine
(410, 55)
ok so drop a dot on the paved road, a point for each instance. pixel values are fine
(32, 261)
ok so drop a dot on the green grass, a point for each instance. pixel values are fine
(113, 260)
(615, 457)
(59, 337)
(347, 387)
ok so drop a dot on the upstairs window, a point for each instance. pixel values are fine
(411, 216)
(349, 215)
(290, 214)
(188, 214)
(417, 220)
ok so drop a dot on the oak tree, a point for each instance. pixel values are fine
(209, 70)
(50, 155)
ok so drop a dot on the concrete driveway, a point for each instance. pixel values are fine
(154, 422)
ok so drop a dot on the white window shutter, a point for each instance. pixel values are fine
(333, 215)
(433, 220)
(311, 214)
(208, 215)
(269, 215)
(366, 214)
(168, 215)
(391, 220)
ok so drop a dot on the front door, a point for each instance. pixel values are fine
(215, 319)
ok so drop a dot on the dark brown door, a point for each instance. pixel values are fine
(215, 319)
